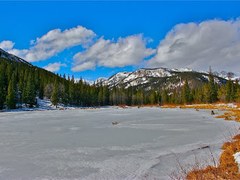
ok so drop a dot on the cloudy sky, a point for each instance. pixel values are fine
(98, 39)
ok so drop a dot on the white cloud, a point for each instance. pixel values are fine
(6, 45)
(126, 51)
(54, 67)
(52, 43)
(213, 43)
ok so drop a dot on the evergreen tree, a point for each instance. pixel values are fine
(29, 93)
(222, 93)
(71, 92)
(229, 86)
(11, 96)
(55, 94)
(41, 91)
(152, 97)
(212, 89)
(2, 88)
(165, 97)
(186, 94)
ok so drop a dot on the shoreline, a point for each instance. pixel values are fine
(228, 166)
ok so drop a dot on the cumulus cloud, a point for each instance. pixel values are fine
(54, 67)
(52, 43)
(124, 52)
(6, 45)
(213, 43)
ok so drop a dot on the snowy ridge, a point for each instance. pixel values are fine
(227, 75)
(182, 70)
(139, 77)
(141, 73)
(117, 78)
(135, 78)
(149, 77)
(6, 55)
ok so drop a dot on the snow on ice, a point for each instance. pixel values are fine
(84, 144)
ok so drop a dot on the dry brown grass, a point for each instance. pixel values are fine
(200, 106)
(227, 167)
(231, 114)
(170, 106)
(218, 106)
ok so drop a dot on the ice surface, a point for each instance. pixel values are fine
(83, 143)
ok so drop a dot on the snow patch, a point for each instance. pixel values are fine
(237, 158)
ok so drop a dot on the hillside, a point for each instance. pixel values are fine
(21, 83)
(6, 55)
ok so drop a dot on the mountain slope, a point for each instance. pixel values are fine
(6, 55)
(159, 78)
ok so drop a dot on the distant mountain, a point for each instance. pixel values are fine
(159, 78)
(6, 55)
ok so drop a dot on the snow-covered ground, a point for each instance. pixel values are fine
(42, 105)
(83, 144)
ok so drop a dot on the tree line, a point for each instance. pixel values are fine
(20, 84)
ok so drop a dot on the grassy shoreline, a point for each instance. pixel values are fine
(227, 168)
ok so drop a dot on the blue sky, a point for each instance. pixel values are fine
(140, 25)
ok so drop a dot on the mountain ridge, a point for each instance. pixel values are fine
(150, 78)
(6, 55)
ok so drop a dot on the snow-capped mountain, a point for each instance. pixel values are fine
(227, 75)
(6, 55)
(150, 78)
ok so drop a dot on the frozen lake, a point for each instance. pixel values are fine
(83, 144)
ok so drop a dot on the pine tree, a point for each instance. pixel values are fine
(164, 97)
(2, 88)
(29, 93)
(55, 94)
(71, 91)
(41, 91)
(229, 91)
(152, 97)
(186, 94)
(212, 89)
(11, 96)
(222, 93)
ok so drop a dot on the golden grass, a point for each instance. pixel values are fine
(217, 106)
(170, 106)
(231, 114)
(227, 167)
